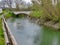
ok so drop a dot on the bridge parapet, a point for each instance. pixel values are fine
(22, 12)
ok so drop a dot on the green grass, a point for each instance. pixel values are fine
(2, 41)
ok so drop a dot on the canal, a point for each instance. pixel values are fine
(28, 33)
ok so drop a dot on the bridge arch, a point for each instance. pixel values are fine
(22, 15)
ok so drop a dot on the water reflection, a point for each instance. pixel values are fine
(28, 33)
(55, 40)
(18, 26)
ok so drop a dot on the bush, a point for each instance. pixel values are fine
(8, 13)
(36, 14)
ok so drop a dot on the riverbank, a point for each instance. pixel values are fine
(49, 24)
(36, 18)
(2, 38)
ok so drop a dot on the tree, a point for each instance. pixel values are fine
(51, 11)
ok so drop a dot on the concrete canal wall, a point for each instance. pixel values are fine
(9, 38)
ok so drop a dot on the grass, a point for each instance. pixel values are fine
(2, 41)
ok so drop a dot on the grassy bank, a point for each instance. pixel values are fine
(8, 14)
(2, 40)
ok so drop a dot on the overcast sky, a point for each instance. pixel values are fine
(28, 1)
(25, 1)
(0, 0)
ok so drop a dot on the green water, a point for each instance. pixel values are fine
(50, 37)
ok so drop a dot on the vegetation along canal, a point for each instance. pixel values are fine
(27, 33)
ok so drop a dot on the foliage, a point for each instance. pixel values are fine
(35, 7)
(8, 13)
(37, 10)
(36, 14)
(51, 12)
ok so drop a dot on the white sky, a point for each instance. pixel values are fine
(27, 1)
(0, 0)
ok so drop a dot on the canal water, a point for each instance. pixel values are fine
(28, 33)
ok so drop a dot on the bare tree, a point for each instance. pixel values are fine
(9, 3)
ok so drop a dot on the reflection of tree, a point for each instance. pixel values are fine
(36, 39)
(18, 26)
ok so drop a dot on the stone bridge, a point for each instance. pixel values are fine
(22, 12)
